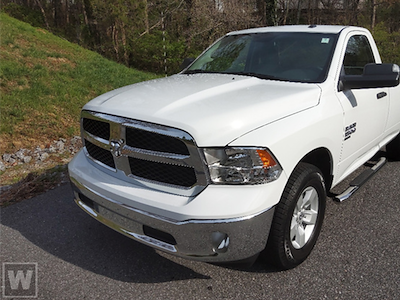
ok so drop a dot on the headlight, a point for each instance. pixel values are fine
(241, 165)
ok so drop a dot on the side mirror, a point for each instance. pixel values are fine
(374, 76)
(186, 63)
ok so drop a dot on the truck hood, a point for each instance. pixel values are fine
(214, 108)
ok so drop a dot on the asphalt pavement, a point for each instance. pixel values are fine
(62, 253)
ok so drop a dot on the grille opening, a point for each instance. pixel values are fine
(97, 128)
(86, 200)
(165, 173)
(159, 235)
(100, 154)
(143, 139)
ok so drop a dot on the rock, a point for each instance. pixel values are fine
(9, 158)
(6, 157)
(52, 149)
(60, 145)
(41, 152)
(43, 156)
(27, 159)
(20, 154)
(37, 150)
(75, 139)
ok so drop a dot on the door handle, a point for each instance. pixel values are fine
(381, 95)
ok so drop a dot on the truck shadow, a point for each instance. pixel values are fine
(54, 223)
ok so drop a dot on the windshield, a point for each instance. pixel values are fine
(299, 57)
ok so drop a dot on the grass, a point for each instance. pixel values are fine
(45, 81)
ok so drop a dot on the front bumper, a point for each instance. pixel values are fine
(221, 224)
(205, 240)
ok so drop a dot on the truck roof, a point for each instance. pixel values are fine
(293, 28)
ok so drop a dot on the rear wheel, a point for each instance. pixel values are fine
(298, 218)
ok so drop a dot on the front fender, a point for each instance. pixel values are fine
(292, 138)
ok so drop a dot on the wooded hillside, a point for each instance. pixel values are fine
(157, 35)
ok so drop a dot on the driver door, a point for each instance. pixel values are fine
(365, 110)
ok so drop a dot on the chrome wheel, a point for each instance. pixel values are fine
(304, 217)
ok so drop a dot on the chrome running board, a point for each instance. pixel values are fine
(357, 182)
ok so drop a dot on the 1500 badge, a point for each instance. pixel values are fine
(349, 130)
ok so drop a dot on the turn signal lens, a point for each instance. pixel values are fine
(266, 158)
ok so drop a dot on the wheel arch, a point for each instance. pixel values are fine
(322, 159)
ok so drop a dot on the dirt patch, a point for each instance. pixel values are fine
(41, 30)
(56, 63)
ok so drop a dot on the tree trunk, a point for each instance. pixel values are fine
(84, 13)
(43, 13)
(114, 36)
(299, 8)
(146, 17)
(373, 17)
(271, 7)
(123, 37)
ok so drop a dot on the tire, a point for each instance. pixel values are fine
(393, 148)
(298, 218)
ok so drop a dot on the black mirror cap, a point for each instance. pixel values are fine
(186, 63)
(374, 76)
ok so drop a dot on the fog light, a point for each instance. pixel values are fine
(220, 242)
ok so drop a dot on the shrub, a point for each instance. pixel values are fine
(388, 44)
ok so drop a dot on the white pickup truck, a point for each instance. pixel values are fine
(235, 155)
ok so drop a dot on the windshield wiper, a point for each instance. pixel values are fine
(252, 74)
(197, 71)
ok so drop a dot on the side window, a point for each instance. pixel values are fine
(358, 54)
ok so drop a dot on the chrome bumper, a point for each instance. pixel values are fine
(222, 240)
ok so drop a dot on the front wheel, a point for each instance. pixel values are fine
(298, 218)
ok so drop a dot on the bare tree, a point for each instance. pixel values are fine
(43, 13)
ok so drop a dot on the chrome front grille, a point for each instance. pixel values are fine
(143, 139)
(157, 156)
(99, 154)
(165, 173)
(97, 128)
